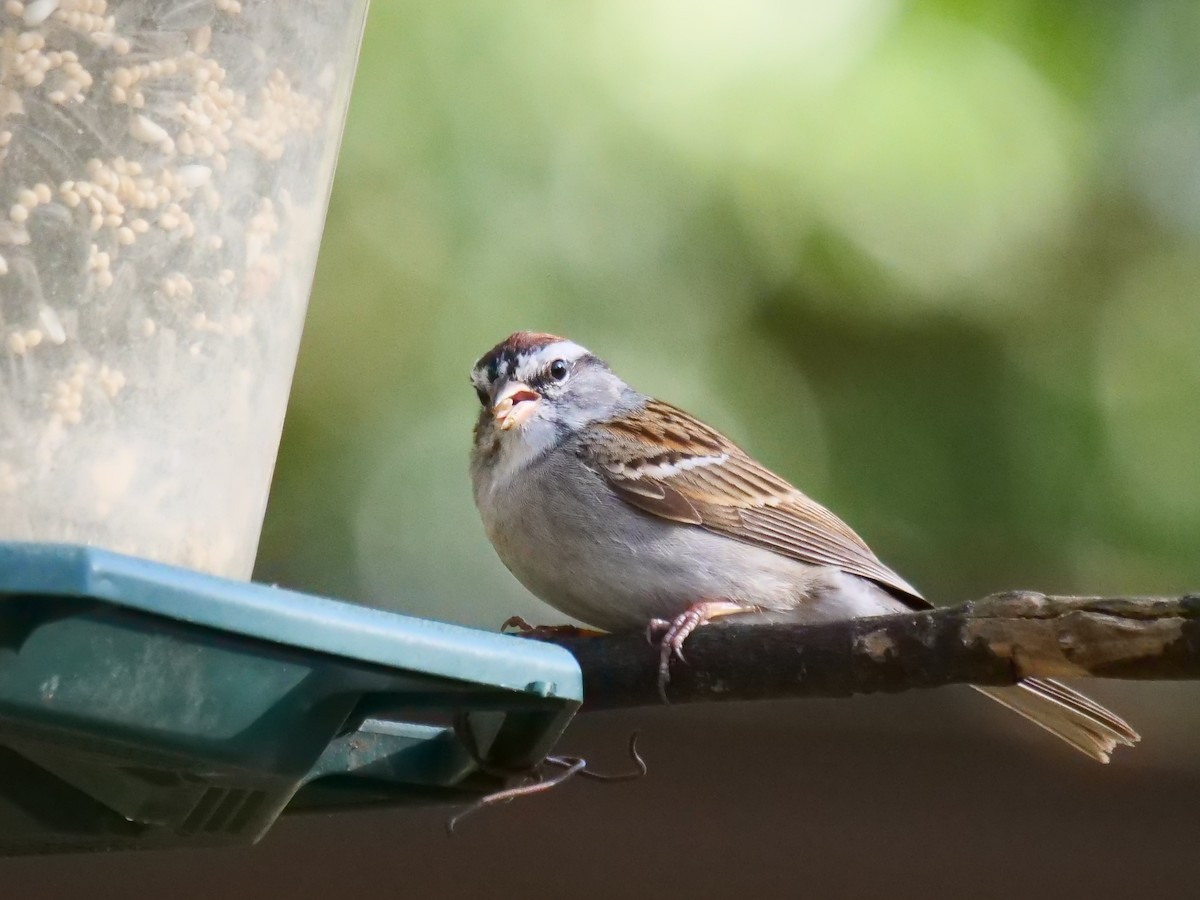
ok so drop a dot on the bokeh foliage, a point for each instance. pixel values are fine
(934, 261)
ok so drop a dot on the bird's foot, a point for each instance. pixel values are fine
(656, 627)
(546, 632)
(677, 630)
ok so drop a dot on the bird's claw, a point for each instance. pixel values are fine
(546, 632)
(654, 627)
(678, 630)
(672, 643)
(516, 623)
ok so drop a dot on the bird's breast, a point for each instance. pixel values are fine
(580, 548)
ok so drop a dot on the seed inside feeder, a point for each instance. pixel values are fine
(154, 278)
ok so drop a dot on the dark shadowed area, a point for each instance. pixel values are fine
(884, 796)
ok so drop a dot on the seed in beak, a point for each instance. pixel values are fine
(514, 405)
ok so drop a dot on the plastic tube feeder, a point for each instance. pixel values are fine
(164, 177)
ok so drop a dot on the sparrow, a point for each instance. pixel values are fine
(625, 512)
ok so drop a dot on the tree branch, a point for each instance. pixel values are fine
(994, 641)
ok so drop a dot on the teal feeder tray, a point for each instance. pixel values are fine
(144, 705)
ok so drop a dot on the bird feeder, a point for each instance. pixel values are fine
(144, 705)
(164, 176)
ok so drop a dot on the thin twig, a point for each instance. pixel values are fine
(634, 755)
(524, 790)
(536, 780)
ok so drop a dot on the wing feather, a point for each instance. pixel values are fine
(666, 463)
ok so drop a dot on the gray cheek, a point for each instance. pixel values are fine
(586, 402)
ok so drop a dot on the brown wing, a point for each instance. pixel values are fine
(665, 462)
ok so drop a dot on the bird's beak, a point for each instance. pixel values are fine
(513, 404)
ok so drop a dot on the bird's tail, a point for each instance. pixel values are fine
(1084, 724)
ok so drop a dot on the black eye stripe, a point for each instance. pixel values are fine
(508, 363)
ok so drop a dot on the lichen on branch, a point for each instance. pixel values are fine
(997, 640)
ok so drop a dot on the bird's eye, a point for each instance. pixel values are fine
(559, 369)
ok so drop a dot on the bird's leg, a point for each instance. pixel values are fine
(678, 629)
(546, 632)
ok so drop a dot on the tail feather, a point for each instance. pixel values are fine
(1084, 724)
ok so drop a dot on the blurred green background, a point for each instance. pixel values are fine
(936, 262)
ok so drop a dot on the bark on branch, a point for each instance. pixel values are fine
(994, 641)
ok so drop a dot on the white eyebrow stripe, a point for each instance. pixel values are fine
(534, 363)
(568, 350)
(666, 470)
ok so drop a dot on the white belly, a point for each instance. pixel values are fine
(636, 566)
